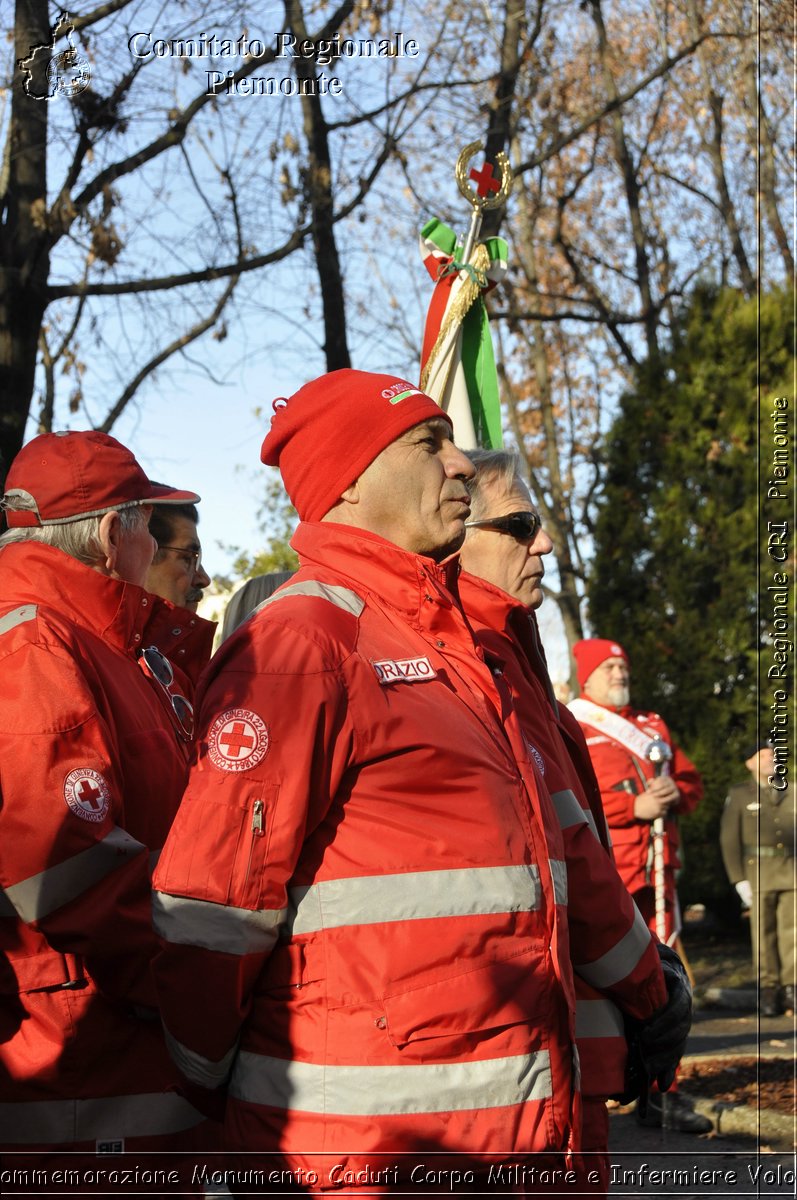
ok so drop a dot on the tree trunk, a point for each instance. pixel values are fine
(714, 148)
(24, 261)
(500, 127)
(556, 512)
(318, 189)
(762, 144)
(625, 162)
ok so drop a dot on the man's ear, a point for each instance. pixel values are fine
(352, 493)
(340, 513)
(110, 533)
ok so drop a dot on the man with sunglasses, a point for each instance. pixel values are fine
(94, 744)
(500, 589)
(176, 572)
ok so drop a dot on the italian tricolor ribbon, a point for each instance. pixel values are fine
(457, 360)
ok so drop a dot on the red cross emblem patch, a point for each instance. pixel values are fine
(237, 740)
(87, 794)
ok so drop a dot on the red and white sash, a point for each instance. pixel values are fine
(616, 727)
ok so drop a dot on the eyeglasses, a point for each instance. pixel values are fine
(523, 526)
(157, 666)
(192, 557)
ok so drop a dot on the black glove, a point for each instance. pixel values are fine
(655, 1046)
(662, 1038)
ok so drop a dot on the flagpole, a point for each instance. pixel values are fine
(457, 359)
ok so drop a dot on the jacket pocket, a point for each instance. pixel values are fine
(514, 991)
(218, 846)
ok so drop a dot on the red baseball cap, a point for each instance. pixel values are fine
(324, 436)
(591, 652)
(62, 477)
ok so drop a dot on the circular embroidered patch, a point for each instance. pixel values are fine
(86, 793)
(237, 740)
(535, 754)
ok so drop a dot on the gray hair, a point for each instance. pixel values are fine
(79, 539)
(492, 466)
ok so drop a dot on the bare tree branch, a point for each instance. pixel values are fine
(559, 143)
(179, 343)
(179, 125)
(97, 14)
(164, 282)
(186, 338)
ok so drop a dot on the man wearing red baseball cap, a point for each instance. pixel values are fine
(646, 781)
(94, 742)
(364, 881)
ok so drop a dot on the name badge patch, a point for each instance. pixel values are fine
(404, 670)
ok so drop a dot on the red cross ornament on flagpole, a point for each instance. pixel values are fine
(486, 183)
(485, 180)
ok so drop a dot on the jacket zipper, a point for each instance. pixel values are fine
(257, 831)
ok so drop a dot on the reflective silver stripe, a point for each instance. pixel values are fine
(416, 895)
(559, 876)
(42, 894)
(201, 1070)
(570, 812)
(589, 818)
(568, 809)
(18, 616)
(339, 596)
(215, 926)
(620, 961)
(385, 1091)
(106, 1117)
(598, 1019)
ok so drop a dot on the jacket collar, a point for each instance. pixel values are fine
(379, 567)
(489, 605)
(497, 615)
(122, 614)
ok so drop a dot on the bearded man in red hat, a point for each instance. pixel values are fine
(644, 778)
(95, 735)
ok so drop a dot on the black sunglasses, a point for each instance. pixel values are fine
(523, 526)
(157, 666)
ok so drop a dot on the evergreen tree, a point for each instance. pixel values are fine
(676, 573)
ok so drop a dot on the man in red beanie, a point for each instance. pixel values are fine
(94, 744)
(646, 781)
(365, 880)
(500, 588)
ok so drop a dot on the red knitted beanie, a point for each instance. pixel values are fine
(324, 436)
(590, 653)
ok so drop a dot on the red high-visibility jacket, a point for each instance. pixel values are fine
(605, 927)
(364, 882)
(91, 773)
(622, 775)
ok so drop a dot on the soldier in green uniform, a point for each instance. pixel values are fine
(757, 838)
